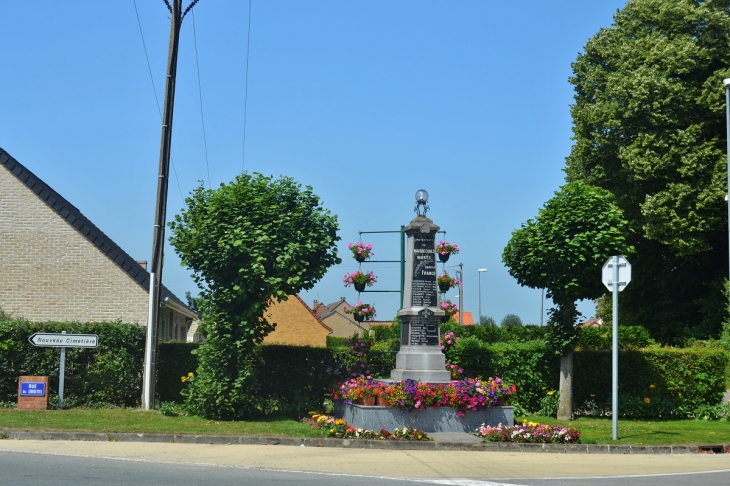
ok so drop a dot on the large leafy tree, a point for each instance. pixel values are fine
(649, 126)
(247, 242)
(562, 250)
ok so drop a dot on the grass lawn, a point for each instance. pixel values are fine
(644, 432)
(122, 420)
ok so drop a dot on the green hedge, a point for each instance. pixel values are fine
(689, 377)
(629, 337)
(387, 333)
(531, 366)
(497, 334)
(336, 342)
(294, 379)
(174, 360)
(110, 373)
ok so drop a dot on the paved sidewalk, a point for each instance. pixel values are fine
(442, 441)
(388, 463)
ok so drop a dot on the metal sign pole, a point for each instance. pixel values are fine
(615, 275)
(63, 341)
(614, 412)
(61, 372)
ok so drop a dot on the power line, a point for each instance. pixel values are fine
(200, 95)
(245, 102)
(152, 79)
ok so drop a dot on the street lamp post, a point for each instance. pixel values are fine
(460, 274)
(481, 270)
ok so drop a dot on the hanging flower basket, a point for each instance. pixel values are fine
(359, 280)
(361, 251)
(361, 312)
(450, 309)
(445, 250)
(446, 281)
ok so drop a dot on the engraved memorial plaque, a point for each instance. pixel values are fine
(423, 293)
(424, 333)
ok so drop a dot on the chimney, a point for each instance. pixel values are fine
(143, 263)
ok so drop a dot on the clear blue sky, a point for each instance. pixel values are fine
(365, 101)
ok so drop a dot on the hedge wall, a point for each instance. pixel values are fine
(174, 360)
(110, 373)
(689, 377)
(531, 366)
(629, 337)
(293, 379)
(497, 334)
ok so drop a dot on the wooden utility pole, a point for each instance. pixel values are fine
(158, 238)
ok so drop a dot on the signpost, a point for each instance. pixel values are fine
(63, 341)
(615, 275)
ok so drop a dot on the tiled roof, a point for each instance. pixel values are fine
(467, 318)
(81, 223)
(314, 314)
(330, 309)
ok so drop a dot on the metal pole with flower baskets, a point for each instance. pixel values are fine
(359, 279)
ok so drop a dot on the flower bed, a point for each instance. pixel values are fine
(338, 428)
(463, 395)
(529, 432)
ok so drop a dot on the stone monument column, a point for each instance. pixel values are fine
(420, 356)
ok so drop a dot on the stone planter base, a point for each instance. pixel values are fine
(442, 419)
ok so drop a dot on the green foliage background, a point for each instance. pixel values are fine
(688, 377)
(649, 126)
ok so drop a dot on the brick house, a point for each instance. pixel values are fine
(56, 265)
(296, 324)
(342, 324)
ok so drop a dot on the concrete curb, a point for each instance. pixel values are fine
(435, 445)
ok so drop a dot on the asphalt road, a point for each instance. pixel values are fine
(24, 468)
(27, 462)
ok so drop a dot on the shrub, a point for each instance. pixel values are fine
(295, 379)
(110, 373)
(174, 360)
(386, 333)
(629, 337)
(495, 334)
(336, 342)
(530, 366)
(684, 378)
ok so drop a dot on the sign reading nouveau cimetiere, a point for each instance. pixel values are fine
(58, 340)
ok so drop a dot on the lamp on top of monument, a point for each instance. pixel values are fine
(421, 200)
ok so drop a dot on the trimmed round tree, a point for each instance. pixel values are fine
(562, 250)
(248, 242)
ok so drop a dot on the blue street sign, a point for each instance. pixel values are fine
(32, 389)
